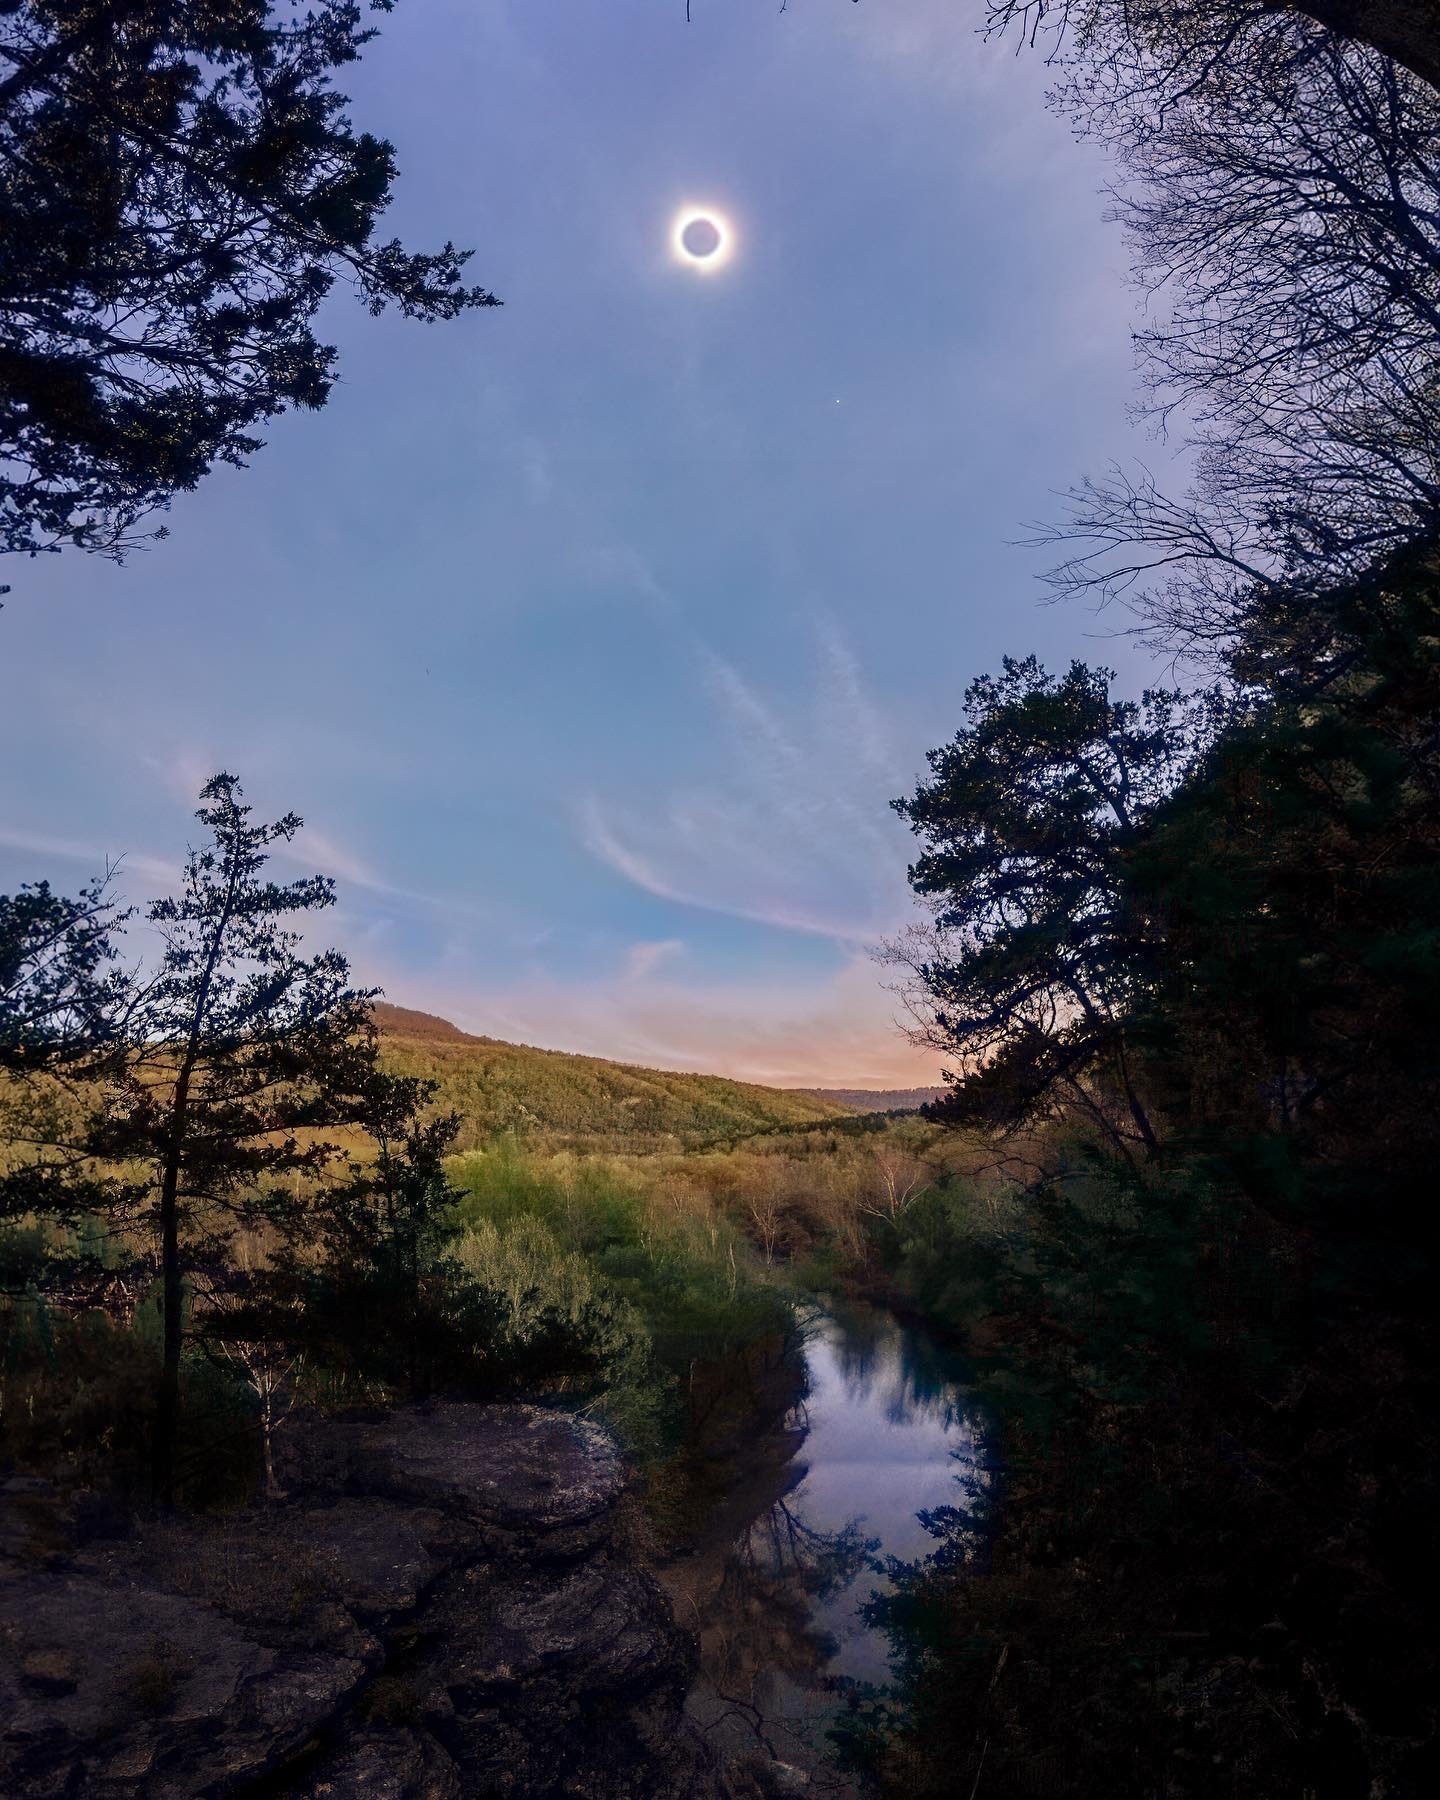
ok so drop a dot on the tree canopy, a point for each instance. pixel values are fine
(1213, 1365)
(1036, 953)
(194, 1097)
(183, 189)
(61, 993)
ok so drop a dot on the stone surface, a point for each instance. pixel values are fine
(517, 1468)
(599, 1627)
(441, 1609)
(399, 1765)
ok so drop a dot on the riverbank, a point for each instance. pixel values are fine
(777, 1583)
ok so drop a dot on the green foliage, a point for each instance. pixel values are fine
(588, 1201)
(1039, 952)
(669, 1299)
(1299, 877)
(501, 1308)
(551, 1099)
(387, 1224)
(235, 1115)
(191, 1099)
(235, 1046)
(60, 991)
(546, 1315)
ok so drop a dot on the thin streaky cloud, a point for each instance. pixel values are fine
(93, 859)
(643, 959)
(855, 712)
(600, 837)
(775, 760)
(184, 772)
(322, 855)
(796, 834)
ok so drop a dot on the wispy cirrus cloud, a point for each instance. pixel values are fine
(644, 959)
(318, 852)
(314, 853)
(796, 830)
(183, 771)
(92, 858)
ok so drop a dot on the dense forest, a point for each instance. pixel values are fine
(1179, 953)
(1205, 1325)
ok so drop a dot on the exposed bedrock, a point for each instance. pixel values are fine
(445, 1607)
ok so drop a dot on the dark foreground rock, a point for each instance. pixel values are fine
(444, 1608)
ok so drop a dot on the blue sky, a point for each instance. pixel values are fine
(593, 635)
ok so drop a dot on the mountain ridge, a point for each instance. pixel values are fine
(909, 1099)
(410, 1021)
(567, 1098)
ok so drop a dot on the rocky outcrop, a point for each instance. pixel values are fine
(445, 1607)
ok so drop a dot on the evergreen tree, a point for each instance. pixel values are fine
(1037, 953)
(242, 1052)
(62, 997)
(1215, 1367)
(65, 1004)
(182, 190)
(1296, 874)
(387, 1224)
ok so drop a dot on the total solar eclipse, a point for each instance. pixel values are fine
(702, 238)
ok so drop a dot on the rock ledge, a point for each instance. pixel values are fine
(443, 1608)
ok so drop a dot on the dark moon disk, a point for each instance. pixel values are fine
(701, 237)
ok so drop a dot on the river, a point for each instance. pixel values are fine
(775, 1589)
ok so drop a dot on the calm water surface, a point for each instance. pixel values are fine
(887, 1436)
(776, 1597)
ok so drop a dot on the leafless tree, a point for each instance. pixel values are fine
(1185, 38)
(1283, 212)
(765, 1205)
(231, 1334)
(902, 1179)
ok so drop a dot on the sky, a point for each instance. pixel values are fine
(593, 635)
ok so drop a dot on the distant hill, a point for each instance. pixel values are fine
(877, 1099)
(496, 1086)
(405, 1021)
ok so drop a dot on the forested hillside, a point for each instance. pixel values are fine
(498, 1087)
(878, 1100)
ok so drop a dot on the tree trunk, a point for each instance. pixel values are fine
(167, 1411)
(1137, 1111)
(1407, 30)
(273, 1489)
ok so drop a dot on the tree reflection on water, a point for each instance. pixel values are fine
(777, 1589)
(900, 1372)
(764, 1647)
(778, 1570)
